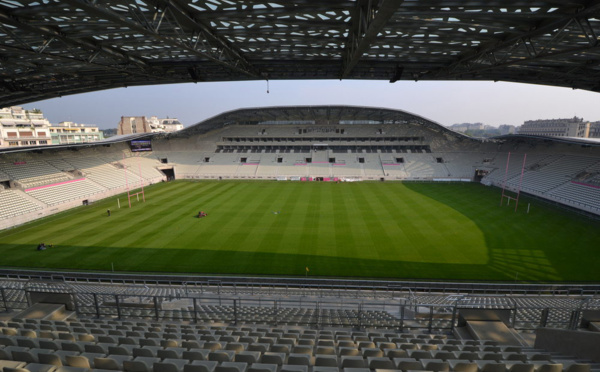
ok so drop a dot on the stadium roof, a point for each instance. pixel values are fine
(313, 115)
(105, 141)
(50, 48)
(590, 142)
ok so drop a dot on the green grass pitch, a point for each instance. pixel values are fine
(362, 229)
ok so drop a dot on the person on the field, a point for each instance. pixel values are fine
(108, 212)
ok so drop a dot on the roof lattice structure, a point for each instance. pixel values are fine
(50, 48)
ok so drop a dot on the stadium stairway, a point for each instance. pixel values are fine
(493, 330)
(8, 315)
(46, 311)
(488, 324)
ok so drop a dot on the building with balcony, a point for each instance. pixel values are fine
(143, 124)
(595, 129)
(67, 132)
(168, 124)
(20, 127)
(574, 127)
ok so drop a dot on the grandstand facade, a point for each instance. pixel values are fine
(324, 143)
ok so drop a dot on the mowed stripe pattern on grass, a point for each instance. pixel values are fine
(389, 230)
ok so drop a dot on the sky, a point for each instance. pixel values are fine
(443, 102)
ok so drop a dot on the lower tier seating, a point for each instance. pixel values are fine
(144, 346)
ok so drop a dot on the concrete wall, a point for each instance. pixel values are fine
(580, 344)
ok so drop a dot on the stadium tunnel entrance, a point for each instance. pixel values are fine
(479, 174)
(168, 172)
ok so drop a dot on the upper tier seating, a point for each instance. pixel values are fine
(33, 173)
(61, 164)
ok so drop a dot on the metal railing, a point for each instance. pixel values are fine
(395, 314)
(288, 285)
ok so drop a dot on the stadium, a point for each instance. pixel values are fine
(325, 238)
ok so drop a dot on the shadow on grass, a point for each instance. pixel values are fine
(230, 262)
(546, 244)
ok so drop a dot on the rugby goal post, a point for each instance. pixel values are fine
(131, 194)
(505, 195)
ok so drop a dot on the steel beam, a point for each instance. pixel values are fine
(550, 26)
(221, 45)
(221, 56)
(367, 22)
(59, 47)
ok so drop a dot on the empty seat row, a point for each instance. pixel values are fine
(247, 362)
